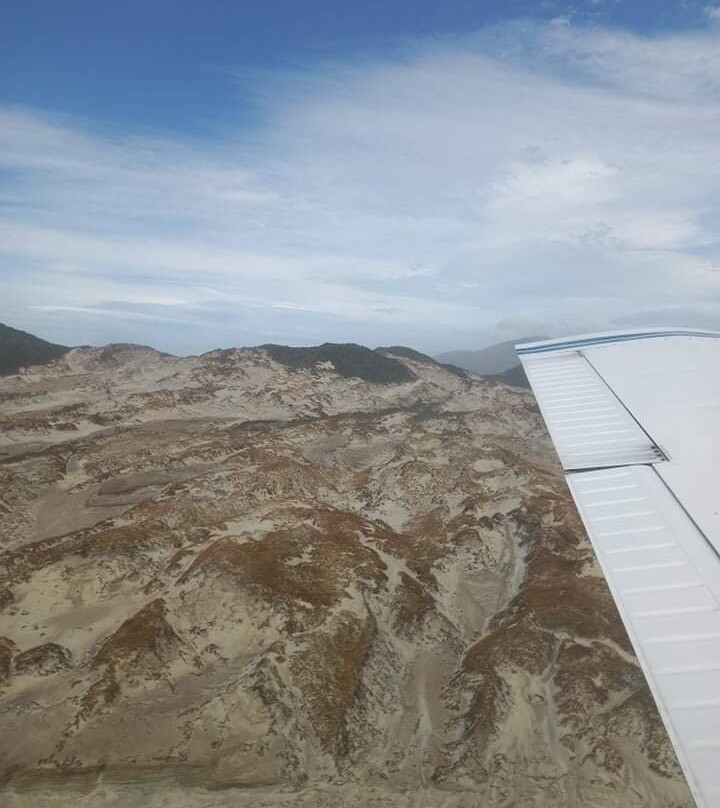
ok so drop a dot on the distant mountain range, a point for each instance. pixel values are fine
(18, 349)
(497, 362)
(491, 360)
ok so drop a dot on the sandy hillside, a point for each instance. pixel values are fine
(233, 580)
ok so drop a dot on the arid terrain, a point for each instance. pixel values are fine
(239, 580)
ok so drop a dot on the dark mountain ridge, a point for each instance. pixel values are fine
(411, 353)
(350, 361)
(18, 349)
(513, 377)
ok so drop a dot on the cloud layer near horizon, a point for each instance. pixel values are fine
(526, 178)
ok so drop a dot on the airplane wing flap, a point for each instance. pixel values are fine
(652, 514)
(589, 425)
(664, 578)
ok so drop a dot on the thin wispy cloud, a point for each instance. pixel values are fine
(529, 173)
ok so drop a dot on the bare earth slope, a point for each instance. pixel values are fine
(228, 581)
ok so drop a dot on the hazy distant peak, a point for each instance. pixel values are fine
(491, 360)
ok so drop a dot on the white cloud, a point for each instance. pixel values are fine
(525, 174)
(712, 13)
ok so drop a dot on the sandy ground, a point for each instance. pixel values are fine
(225, 583)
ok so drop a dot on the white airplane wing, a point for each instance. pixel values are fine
(635, 419)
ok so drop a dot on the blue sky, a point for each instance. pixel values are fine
(175, 63)
(439, 174)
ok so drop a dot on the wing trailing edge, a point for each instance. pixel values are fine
(635, 419)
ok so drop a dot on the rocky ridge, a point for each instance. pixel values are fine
(232, 580)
